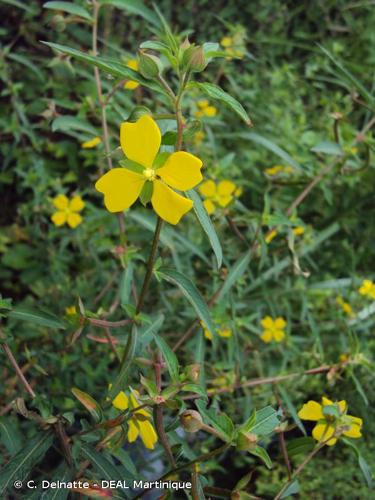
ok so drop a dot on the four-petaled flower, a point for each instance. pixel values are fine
(204, 109)
(221, 194)
(67, 210)
(131, 84)
(367, 288)
(332, 420)
(273, 329)
(139, 423)
(140, 142)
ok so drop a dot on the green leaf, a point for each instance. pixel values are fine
(215, 92)
(110, 66)
(365, 468)
(235, 273)
(206, 224)
(197, 389)
(292, 489)
(359, 387)
(261, 453)
(89, 403)
(38, 317)
(300, 446)
(249, 423)
(220, 421)
(68, 123)
(25, 460)
(25, 60)
(169, 357)
(62, 473)
(126, 283)
(190, 291)
(126, 363)
(10, 435)
(292, 410)
(70, 8)
(266, 421)
(328, 148)
(134, 7)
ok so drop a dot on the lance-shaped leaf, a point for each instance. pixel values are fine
(89, 403)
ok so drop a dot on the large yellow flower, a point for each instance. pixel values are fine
(331, 419)
(67, 211)
(140, 142)
(139, 422)
(220, 194)
(273, 329)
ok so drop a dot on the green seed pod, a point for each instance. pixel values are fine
(149, 65)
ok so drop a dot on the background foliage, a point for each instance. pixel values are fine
(294, 93)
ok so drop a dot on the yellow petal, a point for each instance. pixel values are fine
(324, 431)
(209, 206)
(225, 188)
(267, 322)
(226, 41)
(181, 171)
(207, 333)
(224, 200)
(121, 401)
(59, 218)
(169, 205)
(203, 103)
(131, 85)
(121, 187)
(225, 333)
(60, 202)
(74, 220)
(280, 323)
(210, 111)
(278, 335)
(76, 204)
(343, 406)
(207, 189)
(267, 336)
(353, 432)
(133, 430)
(270, 236)
(326, 401)
(92, 143)
(134, 404)
(132, 64)
(148, 434)
(311, 411)
(140, 141)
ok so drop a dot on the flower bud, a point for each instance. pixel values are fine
(193, 371)
(197, 61)
(246, 441)
(191, 421)
(149, 65)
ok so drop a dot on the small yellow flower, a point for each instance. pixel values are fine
(220, 194)
(345, 306)
(332, 420)
(92, 143)
(67, 211)
(233, 46)
(140, 142)
(71, 311)
(344, 358)
(204, 109)
(367, 289)
(139, 423)
(270, 236)
(226, 41)
(223, 332)
(298, 231)
(273, 329)
(131, 84)
(278, 169)
(198, 138)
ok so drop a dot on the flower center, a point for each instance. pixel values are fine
(149, 173)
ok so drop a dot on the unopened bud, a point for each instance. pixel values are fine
(191, 421)
(246, 441)
(149, 65)
(185, 44)
(193, 372)
(197, 61)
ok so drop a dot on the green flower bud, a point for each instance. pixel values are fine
(193, 371)
(197, 61)
(191, 421)
(149, 65)
(246, 441)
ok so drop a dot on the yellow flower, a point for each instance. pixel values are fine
(67, 211)
(344, 358)
(270, 236)
(278, 169)
(92, 143)
(205, 109)
(226, 41)
(220, 194)
(233, 46)
(345, 306)
(198, 138)
(139, 422)
(332, 420)
(131, 84)
(140, 142)
(273, 329)
(71, 311)
(298, 231)
(223, 332)
(367, 288)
